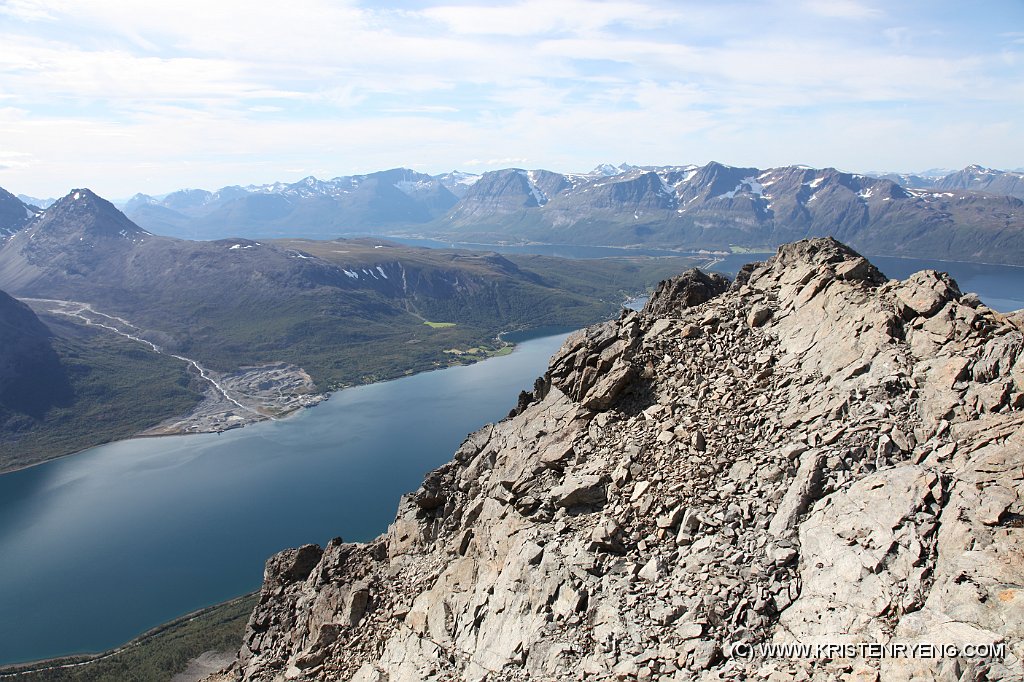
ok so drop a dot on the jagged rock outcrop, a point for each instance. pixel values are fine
(815, 455)
(689, 289)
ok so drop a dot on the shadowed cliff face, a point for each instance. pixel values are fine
(31, 376)
(14, 214)
(814, 454)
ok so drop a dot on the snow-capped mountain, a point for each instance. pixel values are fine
(961, 215)
(311, 207)
(719, 207)
(457, 182)
(974, 177)
(981, 179)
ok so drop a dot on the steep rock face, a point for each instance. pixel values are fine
(31, 375)
(815, 455)
(690, 289)
(14, 214)
(497, 194)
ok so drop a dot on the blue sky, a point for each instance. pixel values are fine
(127, 97)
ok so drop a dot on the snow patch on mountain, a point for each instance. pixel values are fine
(538, 194)
(748, 184)
(411, 187)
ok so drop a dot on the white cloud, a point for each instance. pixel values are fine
(198, 93)
(843, 9)
(422, 109)
(506, 161)
(14, 160)
(538, 17)
(26, 10)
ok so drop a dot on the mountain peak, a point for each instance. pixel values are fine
(611, 169)
(79, 194)
(82, 213)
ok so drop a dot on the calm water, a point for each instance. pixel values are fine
(556, 250)
(99, 547)
(1001, 287)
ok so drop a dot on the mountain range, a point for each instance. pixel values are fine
(723, 207)
(309, 207)
(975, 214)
(972, 214)
(974, 177)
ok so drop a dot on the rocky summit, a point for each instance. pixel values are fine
(811, 454)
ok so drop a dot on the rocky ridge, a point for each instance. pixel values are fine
(815, 454)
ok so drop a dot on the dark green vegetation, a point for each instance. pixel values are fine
(95, 387)
(479, 294)
(347, 311)
(155, 656)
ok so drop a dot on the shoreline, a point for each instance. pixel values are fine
(755, 251)
(70, 659)
(261, 418)
(670, 252)
(9, 670)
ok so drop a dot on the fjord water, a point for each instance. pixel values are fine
(96, 548)
(99, 547)
(1001, 287)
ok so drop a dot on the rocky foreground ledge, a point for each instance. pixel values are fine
(811, 454)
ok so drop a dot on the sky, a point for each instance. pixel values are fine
(127, 97)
